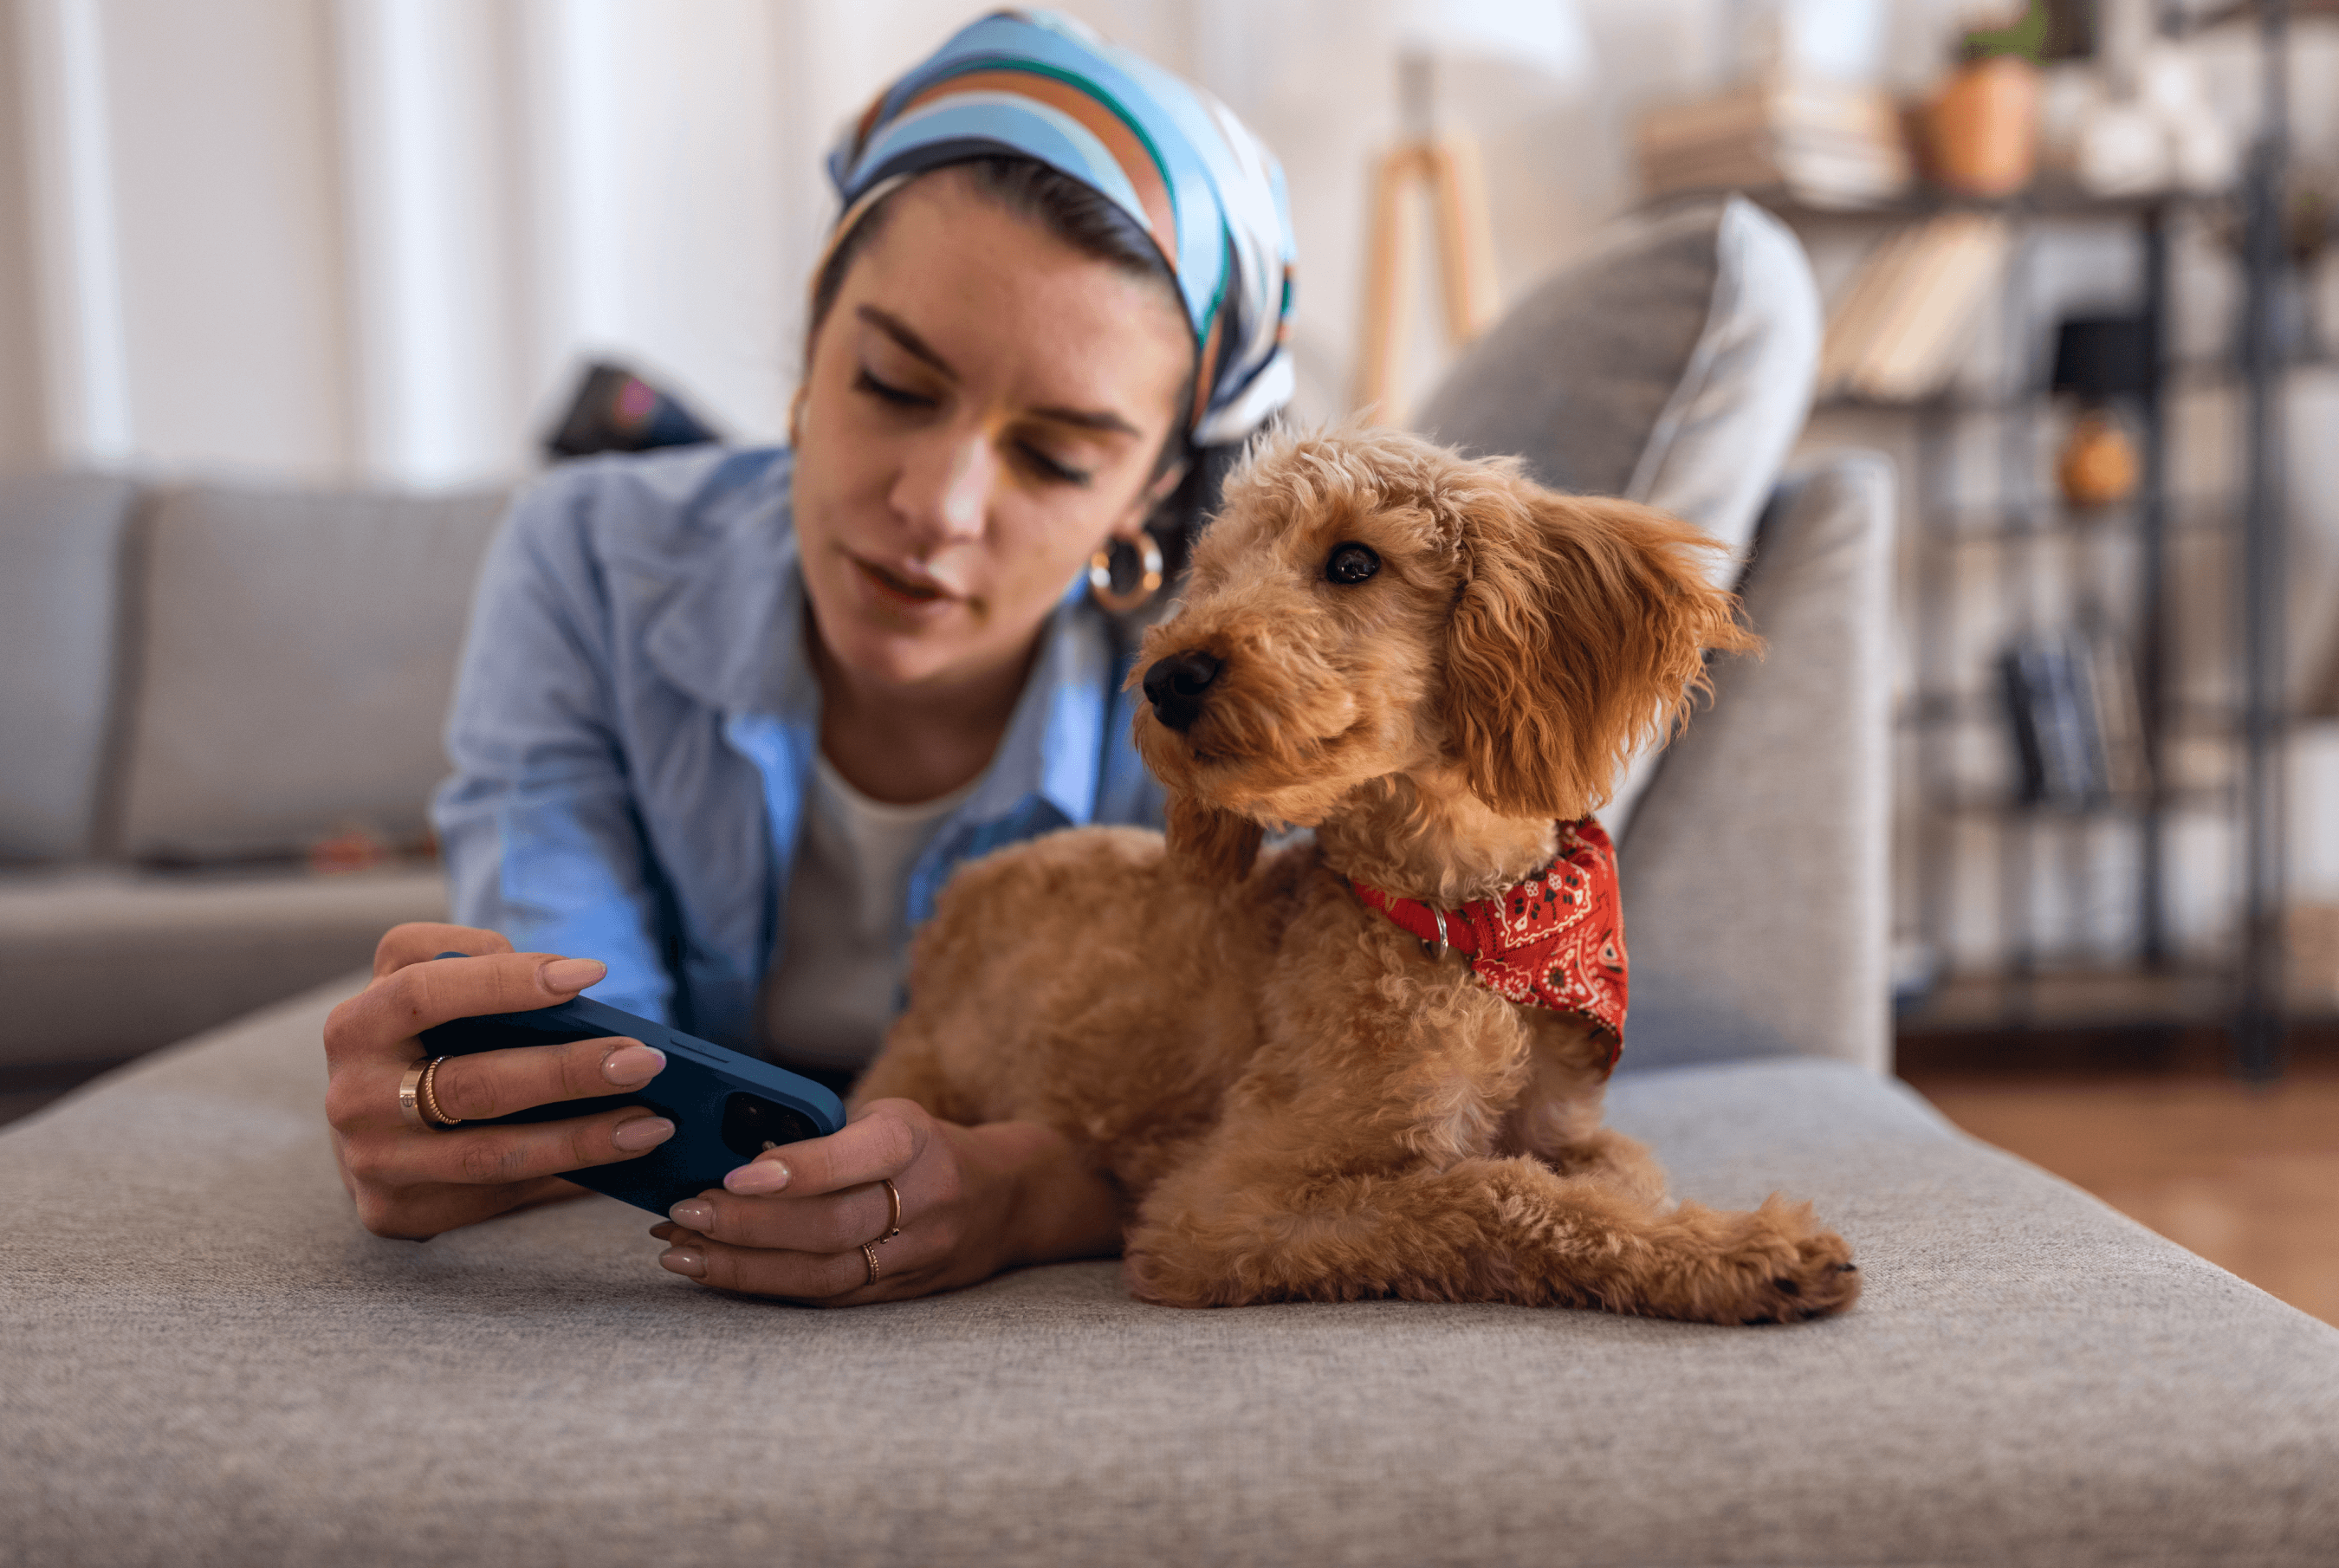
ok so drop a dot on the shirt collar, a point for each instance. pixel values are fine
(1054, 742)
(730, 633)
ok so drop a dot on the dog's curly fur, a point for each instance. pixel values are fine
(1298, 1101)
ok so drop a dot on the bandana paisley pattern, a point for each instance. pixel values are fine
(1555, 939)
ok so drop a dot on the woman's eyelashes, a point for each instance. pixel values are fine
(885, 391)
(1048, 467)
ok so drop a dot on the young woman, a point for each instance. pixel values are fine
(728, 719)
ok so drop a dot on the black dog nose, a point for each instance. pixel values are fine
(1176, 686)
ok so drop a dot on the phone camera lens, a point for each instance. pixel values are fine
(752, 1124)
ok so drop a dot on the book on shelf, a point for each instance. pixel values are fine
(1826, 144)
(2044, 700)
(2072, 703)
(1903, 323)
(2119, 714)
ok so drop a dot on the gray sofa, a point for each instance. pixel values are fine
(198, 684)
(213, 1364)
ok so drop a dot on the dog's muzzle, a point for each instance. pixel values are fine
(1177, 684)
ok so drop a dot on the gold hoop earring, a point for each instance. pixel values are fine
(1100, 587)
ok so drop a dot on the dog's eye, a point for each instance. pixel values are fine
(1350, 563)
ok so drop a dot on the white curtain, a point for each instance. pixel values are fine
(372, 241)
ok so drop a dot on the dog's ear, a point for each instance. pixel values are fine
(1580, 630)
(1215, 845)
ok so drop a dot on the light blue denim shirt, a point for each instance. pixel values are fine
(636, 721)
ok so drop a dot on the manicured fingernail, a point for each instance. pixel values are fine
(763, 1176)
(571, 974)
(642, 1132)
(631, 1064)
(693, 1212)
(684, 1260)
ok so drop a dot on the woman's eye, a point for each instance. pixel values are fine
(1350, 564)
(1050, 468)
(899, 397)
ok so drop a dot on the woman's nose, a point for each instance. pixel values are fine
(944, 490)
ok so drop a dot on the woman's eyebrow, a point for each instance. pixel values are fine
(899, 331)
(894, 327)
(1090, 419)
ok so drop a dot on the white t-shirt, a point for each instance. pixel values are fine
(833, 996)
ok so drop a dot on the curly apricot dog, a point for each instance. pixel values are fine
(1436, 666)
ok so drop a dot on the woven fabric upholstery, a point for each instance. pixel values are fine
(61, 542)
(101, 964)
(298, 652)
(211, 1364)
(1757, 869)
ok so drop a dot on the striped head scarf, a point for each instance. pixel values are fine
(1038, 85)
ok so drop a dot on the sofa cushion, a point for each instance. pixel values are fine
(100, 963)
(1757, 871)
(210, 1363)
(62, 539)
(298, 650)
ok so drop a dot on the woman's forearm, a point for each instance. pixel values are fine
(1059, 1209)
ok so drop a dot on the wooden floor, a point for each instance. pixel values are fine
(2246, 1176)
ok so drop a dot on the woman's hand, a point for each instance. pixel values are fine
(415, 1182)
(793, 1221)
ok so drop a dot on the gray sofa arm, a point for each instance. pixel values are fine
(1756, 872)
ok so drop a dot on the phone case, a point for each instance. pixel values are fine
(726, 1106)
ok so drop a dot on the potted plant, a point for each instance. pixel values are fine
(1982, 126)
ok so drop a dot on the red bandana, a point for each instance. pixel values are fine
(1555, 939)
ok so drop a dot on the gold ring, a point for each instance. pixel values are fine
(410, 1094)
(417, 1102)
(432, 1108)
(869, 1251)
(894, 1215)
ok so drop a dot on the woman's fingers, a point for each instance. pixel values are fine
(828, 1223)
(407, 1000)
(503, 1155)
(420, 941)
(805, 1241)
(495, 1083)
(830, 1280)
(884, 1140)
(760, 1271)
(419, 1213)
(413, 1182)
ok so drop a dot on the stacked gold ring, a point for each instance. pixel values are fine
(418, 1097)
(892, 1229)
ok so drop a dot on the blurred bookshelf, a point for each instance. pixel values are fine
(2195, 757)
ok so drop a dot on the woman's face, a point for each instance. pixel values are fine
(983, 407)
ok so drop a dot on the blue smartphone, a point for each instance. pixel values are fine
(726, 1106)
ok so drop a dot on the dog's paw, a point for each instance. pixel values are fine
(1144, 1279)
(1155, 1270)
(1775, 1264)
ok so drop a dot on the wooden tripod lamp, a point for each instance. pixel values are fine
(1435, 172)
(1440, 172)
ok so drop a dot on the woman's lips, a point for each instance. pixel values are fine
(902, 587)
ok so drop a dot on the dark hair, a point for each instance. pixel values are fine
(1091, 222)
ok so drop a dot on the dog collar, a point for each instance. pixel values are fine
(1555, 939)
